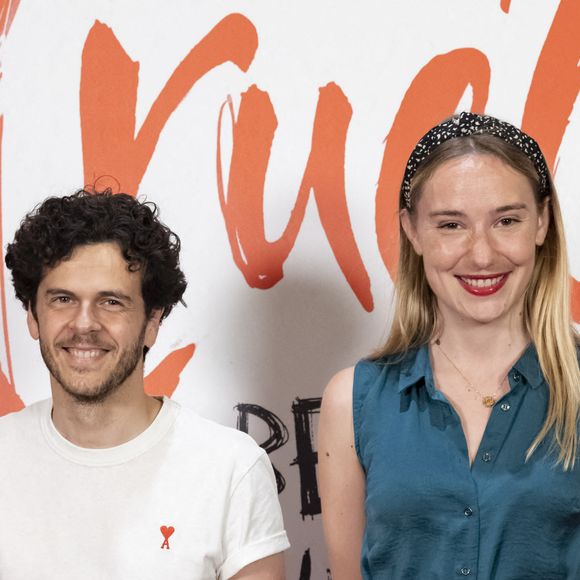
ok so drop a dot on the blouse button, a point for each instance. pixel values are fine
(516, 376)
(486, 456)
(465, 571)
(468, 512)
(505, 406)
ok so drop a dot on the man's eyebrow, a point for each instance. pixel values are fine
(54, 291)
(102, 294)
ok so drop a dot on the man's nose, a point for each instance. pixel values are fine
(85, 319)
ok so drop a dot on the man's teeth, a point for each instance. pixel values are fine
(482, 283)
(85, 353)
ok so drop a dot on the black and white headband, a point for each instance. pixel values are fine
(463, 125)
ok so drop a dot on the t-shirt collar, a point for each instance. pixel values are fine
(111, 455)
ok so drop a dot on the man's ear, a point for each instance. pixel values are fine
(32, 323)
(410, 231)
(152, 327)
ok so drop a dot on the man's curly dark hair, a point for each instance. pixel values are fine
(52, 231)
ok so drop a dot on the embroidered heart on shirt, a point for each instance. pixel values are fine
(167, 531)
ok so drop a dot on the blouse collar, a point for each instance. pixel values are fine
(416, 366)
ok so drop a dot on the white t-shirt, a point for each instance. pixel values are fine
(187, 499)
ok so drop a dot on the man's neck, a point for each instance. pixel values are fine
(121, 417)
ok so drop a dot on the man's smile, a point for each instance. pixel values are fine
(84, 353)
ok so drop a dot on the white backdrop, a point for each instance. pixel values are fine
(267, 346)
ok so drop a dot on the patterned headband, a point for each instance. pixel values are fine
(463, 125)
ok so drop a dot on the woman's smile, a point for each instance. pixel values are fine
(483, 285)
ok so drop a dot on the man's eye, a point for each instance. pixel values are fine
(62, 299)
(112, 302)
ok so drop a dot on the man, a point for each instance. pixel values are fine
(103, 481)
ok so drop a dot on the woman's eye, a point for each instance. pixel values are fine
(508, 221)
(449, 226)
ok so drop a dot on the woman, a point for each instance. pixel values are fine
(453, 451)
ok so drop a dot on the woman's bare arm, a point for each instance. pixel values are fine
(341, 479)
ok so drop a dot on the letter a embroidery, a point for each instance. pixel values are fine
(166, 531)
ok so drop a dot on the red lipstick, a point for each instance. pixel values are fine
(483, 285)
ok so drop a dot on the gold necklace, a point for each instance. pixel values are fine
(486, 400)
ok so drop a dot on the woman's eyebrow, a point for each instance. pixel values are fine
(456, 213)
(447, 212)
(511, 207)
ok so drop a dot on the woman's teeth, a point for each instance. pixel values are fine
(482, 283)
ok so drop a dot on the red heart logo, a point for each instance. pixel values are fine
(167, 531)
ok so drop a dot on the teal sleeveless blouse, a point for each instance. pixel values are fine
(429, 514)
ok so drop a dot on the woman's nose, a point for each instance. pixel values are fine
(482, 250)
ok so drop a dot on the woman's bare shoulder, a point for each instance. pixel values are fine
(338, 391)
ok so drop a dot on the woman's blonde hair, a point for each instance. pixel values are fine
(547, 314)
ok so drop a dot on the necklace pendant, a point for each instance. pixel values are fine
(488, 401)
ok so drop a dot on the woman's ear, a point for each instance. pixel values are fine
(408, 226)
(543, 221)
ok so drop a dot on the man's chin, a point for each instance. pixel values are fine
(85, 395)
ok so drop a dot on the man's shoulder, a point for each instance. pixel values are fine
(20, 431)
(21, 419)
(215, 439)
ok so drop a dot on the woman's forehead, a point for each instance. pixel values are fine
(474, 178)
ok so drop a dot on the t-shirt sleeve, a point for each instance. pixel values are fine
(254, 528)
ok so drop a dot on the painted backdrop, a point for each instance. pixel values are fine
(273, 136)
